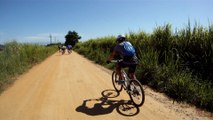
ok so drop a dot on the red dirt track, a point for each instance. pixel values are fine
(70, 87)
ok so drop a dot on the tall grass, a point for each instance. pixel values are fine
(179, 64)
(17, 58)
(97, 49)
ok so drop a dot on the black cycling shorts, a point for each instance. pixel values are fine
(132, 67)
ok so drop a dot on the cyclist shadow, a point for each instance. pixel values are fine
(104, 105)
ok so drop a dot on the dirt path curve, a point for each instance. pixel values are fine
(70, 87)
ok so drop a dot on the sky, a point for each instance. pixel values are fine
(33, 21)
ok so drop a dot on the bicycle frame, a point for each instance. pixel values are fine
(124, 74)
(126, 79)
(132, 86)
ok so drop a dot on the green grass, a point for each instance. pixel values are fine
(16, 58)
(179, 64)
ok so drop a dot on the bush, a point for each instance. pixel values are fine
(17, 58)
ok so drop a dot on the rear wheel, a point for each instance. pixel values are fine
(136, 93)
(63, 51)
(115, 79)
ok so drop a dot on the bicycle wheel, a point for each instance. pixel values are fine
(115, 79)
(136, 93)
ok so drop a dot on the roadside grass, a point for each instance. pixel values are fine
(179, 64)
(16, 58)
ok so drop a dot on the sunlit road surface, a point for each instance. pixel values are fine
(70, 87)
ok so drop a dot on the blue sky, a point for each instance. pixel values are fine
(35, 20)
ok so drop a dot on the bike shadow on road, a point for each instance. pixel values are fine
(105, 105)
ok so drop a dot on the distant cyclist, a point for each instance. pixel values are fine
(125, 51)
(59, 47)
(63, 48)
(69, 48)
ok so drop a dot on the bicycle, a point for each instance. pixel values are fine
(63, 51)
(69, 51)
(132, 87)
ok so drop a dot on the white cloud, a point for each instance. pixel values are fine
(2, 37)
(42, 38)
(45, 38)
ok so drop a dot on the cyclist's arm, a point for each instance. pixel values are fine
(111, 56)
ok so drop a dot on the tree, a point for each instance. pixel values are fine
(72, 38)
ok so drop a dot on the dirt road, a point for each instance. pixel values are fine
(69, 87)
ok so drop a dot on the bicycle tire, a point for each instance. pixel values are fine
(136, 85)
(63, 51)
(115, 78)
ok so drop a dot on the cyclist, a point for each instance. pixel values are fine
(126, 51)
(59, 47)
(63, 48)
(69, 48)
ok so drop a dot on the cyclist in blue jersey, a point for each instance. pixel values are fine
(69, 48)
(125, 51)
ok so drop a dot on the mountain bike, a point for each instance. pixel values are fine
(133, 87)
(63, 51)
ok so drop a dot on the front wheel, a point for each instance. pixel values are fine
(136, 93)
(115, 79)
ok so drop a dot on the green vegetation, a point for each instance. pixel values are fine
(17, 58)
(179, 64)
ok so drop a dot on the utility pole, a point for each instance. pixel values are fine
(50, 39)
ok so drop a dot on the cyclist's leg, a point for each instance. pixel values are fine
(120, 66)
(131, 71)
(118, 70)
